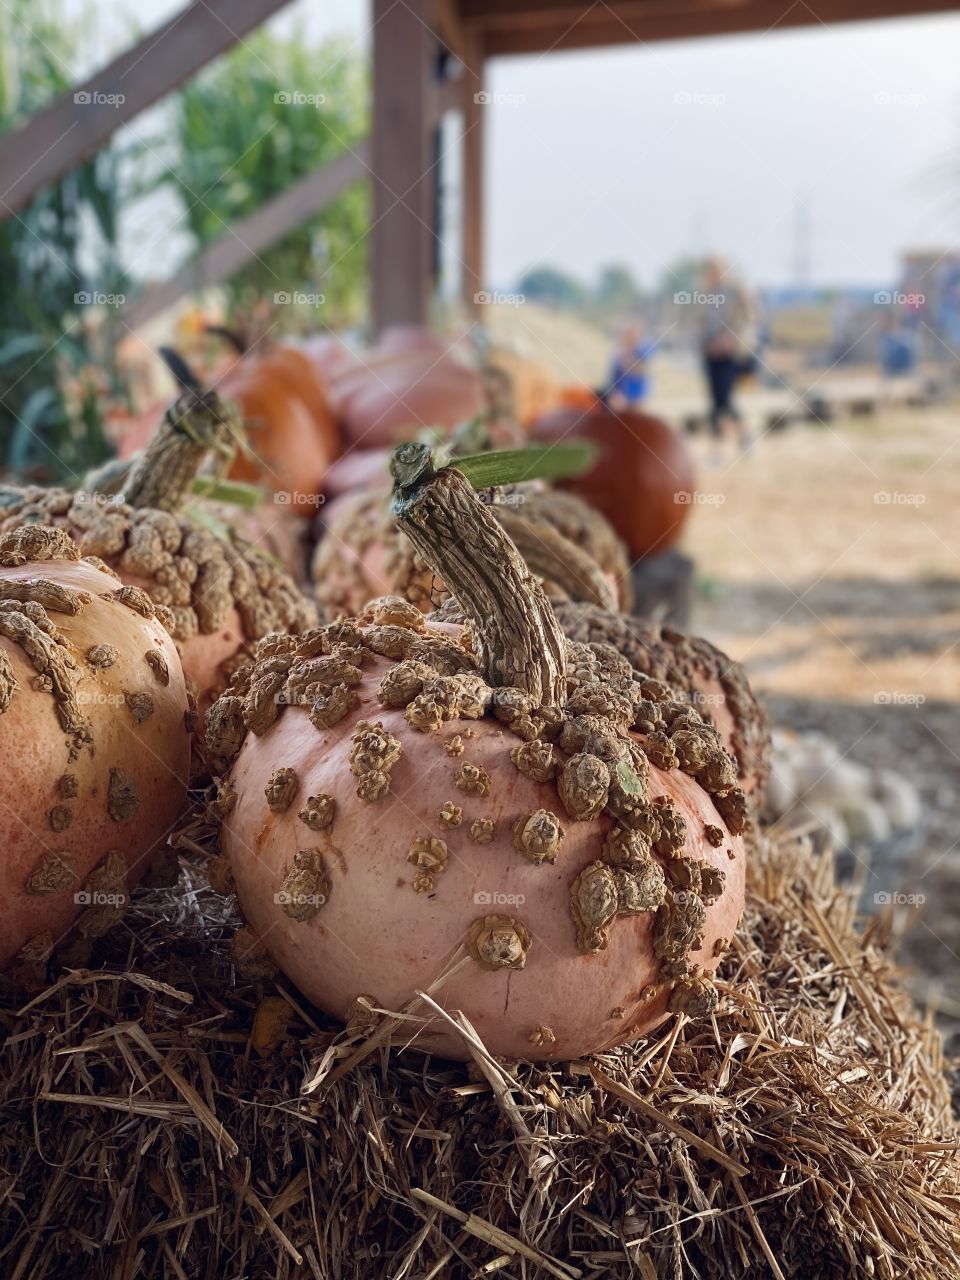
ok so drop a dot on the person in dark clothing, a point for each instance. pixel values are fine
(725, 329)
(722, 372)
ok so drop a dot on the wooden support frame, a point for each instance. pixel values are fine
(56, 140)
(283, 213)
(403, 161)
(410, 97)
(539, 26)
(473, 221)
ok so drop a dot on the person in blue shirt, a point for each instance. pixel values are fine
(629, 379)
(898, 348)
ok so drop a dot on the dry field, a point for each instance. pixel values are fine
(828, 561)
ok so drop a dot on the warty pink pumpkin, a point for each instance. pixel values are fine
(93, 737)
(521, 823)
(144, 522)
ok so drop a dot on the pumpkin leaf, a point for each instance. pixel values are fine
(536, 462)
(232, 492)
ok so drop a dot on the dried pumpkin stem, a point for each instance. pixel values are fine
(197, 424)
(550, 555)
(521, 643)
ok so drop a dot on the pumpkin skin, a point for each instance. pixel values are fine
(410, 381)
(361, 552)
(219, 593)
(544, 838)
(329, 355)
(296, 371)
(715, 684)
(127, 783)
(356, 470)
(642, 480)
(288, 454)
(375, 934)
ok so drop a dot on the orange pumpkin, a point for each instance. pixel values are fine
(293, 436)
(643, 478)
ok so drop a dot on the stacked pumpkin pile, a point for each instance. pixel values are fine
(320, 422)
(517, 827)
(468, 833)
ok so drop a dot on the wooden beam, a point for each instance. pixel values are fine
(284, 213)
(404, 176)
(472, 198)
(445, 95)
(532, 13)
(62, 136)
(449, 26)
(604, 24)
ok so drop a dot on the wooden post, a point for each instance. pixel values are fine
(473, 159)
(404, 174)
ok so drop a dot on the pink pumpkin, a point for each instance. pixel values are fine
(404, 385)
(547, 840)
(93, 737)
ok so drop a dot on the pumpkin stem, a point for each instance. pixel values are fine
(521, 644)
(550, 555)
(196, 424)
(231, 335)
(182, 372)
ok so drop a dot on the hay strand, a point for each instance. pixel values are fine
(164, 1116)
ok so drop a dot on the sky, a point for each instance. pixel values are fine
(817, 153)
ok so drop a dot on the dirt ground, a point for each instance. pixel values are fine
(828, 562)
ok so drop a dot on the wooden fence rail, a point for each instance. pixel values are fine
(245, 239)
(62, 136)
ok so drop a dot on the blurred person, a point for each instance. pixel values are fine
(727, 345)
(898, 347)
(629, 380)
